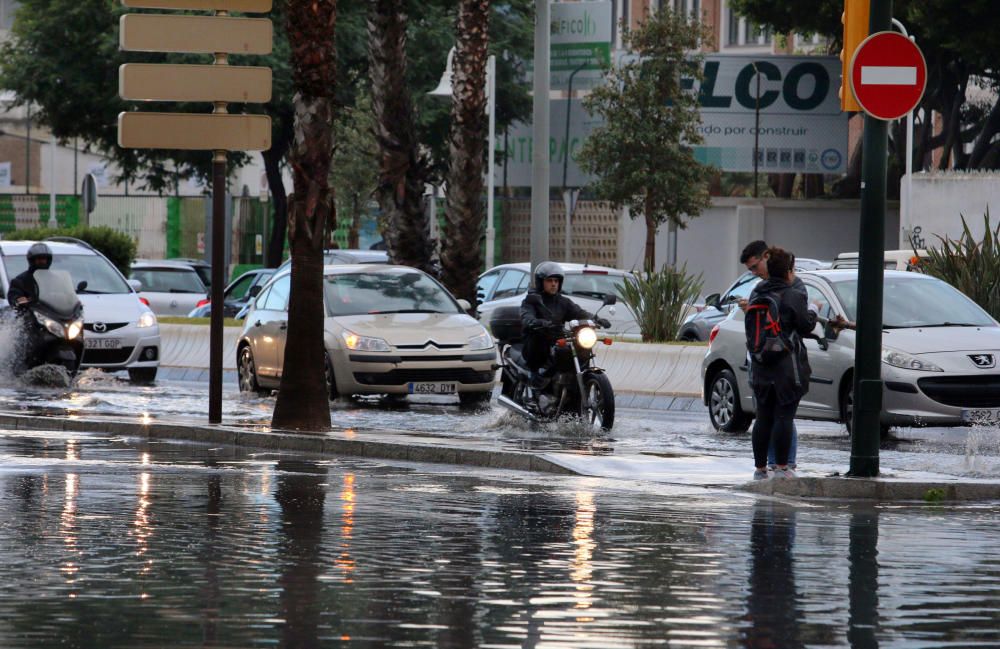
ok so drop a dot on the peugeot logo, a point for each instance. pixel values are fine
(100, 327)
(983, 361)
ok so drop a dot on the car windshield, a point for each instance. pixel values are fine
(101, 276)
(168, 280)
(917, 302)
(592, 285)
(386, 292)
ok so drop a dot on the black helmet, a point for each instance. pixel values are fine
(545, 270)
(39, 256)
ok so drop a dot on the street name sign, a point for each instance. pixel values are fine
(195, 34)
(194, 131)
(167, 82)
(888, 75)
(243, 6)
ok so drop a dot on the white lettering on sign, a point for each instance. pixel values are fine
(888, 75)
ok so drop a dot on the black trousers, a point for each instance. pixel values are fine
(773, 420)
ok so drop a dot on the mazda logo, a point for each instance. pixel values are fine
(100, 327)
(983, 361)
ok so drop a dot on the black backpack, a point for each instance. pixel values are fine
(765, 341)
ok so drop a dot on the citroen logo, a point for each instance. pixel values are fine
(983, 361)
(100, 327)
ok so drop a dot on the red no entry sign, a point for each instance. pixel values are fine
(888, 75)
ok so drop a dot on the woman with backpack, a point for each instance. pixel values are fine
(777, 318)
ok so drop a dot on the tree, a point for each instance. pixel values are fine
(403, 169)
(465, 213)
(642, 155)
(354, 175)
(303, 399)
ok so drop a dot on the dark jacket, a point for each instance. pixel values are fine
(24, 285)
(539, 309)
(789, 376)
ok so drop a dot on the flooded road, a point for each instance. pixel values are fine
(110, 542)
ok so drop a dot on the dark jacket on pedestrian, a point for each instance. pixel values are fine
(24, 285)
(540, 310)
(790, 375)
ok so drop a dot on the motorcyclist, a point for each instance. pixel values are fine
(543, 312)
(23, 288)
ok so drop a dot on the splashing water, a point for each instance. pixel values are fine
(11, 346)
(50, 376)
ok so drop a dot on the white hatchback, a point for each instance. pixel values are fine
(171, 288)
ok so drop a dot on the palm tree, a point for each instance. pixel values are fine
(303, 400)
(461, 254)
(402, 168)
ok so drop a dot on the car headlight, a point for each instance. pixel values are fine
(586, 337)
(147, 319)
(364, 343)
(74, 329)
(482, 341)
(907, 362)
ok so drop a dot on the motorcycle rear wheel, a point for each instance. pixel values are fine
(599, 401)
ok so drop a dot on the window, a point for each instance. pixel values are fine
(486, 284)
(166, 280)
(742, 33)
(101, 276)
(820, 302)
(239, 290)
(391, 291)
(511, 284)
(277, 297)
(744, 286)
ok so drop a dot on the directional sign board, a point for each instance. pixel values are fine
(156, 82)
(888, 75)
(243, 6)
(195, 34)
(194, 131)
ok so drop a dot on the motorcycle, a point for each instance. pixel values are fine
(53, 325)
(573, 385)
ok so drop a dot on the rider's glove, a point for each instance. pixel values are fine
(542, 324)
(604, 322)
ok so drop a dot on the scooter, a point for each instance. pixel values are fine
(574, 385)
(53, 326)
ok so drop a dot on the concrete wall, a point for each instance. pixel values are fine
(940, 200)
(712, 242)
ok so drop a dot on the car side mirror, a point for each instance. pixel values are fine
(254, 291)
(713, 301)
(464, 304)
(830, 332)
(82, 286)
(610, 299)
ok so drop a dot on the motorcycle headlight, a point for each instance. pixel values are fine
(74, 329)
(586, 337)
(147, 319)
(482, 341)
(364, 343)
(907, 362)
(50, 325)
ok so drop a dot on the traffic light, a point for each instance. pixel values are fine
(855, 20)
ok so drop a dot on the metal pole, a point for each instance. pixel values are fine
(908, 184)
(218, 260)
(569, 201)
(756, 135)
(491, 102)
(53, 223)
(27, 156)
(540, 137)
(868, 346)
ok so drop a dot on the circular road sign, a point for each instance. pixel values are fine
(888, 75)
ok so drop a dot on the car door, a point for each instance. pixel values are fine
(509, 291)
(270, 319)
(484, 287)
(823, 398)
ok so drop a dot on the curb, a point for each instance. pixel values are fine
(878, 489)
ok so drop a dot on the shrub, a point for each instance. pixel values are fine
(659, 298)
(118, 247)
(971, 266)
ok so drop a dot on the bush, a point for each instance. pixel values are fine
(659, 299)
(118, 247)
(971, 266)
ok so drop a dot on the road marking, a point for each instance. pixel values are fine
(888, 75)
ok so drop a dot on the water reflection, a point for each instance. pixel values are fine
(70, 566)
(863, 622)
(772, 602)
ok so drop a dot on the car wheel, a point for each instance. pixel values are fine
(331, 381)
(142, 375)
(724, 409)
(689, 336)
(847, 411)
(474, 399)
(248, 371)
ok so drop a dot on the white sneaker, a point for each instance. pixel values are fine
(784, 474)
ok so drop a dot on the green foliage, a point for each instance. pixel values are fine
(355, 169)
(934, 495)
(118, 247)
(971, 266)
(658, 300)
(642, 156)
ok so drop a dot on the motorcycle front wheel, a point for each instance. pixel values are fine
(599, 401)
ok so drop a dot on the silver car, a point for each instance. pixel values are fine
(939, 357)
(170, 288)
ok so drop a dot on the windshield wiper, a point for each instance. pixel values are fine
(90, 291)
(404, 311)
(594, 294)
(950, 324)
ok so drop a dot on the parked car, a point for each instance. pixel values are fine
(120, 332)
(347, 256)
(506, 285)
(698, 324)
(170, 287)
(388, 330)
(237, 295)
(200, 266)
(894, 259)
(939, 357)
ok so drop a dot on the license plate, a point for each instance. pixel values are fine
(982, 416)
(102, 343)
(431, 388)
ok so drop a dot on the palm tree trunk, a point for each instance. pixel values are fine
(651, 227)
(403, 170)
(281, 139)
(303, 401)
(465, 214)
